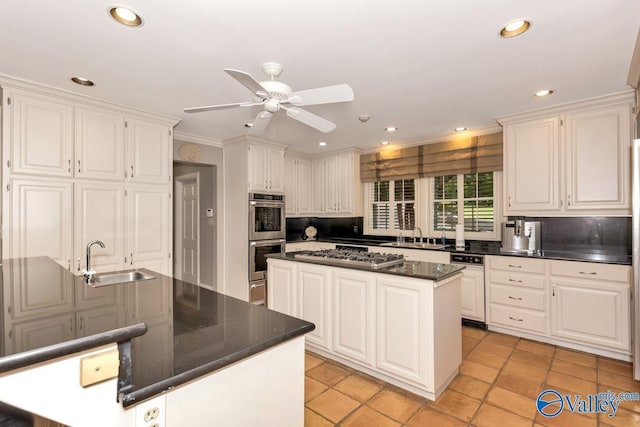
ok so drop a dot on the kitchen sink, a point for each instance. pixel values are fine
(413, 245)
(106, 279)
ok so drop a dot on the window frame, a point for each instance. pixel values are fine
(368, 229)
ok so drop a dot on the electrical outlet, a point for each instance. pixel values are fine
(151, 413)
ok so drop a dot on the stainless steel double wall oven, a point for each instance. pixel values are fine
(267, 235)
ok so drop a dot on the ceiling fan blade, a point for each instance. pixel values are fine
(220, 107)
(249, 82)
(260, 123)
(322, 95)
(310, 119)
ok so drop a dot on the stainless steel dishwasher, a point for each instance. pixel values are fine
(472, 289)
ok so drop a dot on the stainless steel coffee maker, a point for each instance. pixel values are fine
(520, 236)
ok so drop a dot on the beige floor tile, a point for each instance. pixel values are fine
(470, 386)
(512, 402)
(333, 405)
(311, 419)
(468, 344)
(524, 370)
(394, 405)
(358, 387)
(622, 418)
(537, 360)
(367, 417)
(311, 361)
(519, 384)
(567, 419)
(328, 373)
(481, 372)
(617, 366)
(536, 347)
(312, 388)
(490, 416)
(473, 332)
(493, 348)
(583, 372)
(578, 357)
(428, 417)
(457, 404)
(501, 339)
(624, 382)
(486, 358)
(571, 384)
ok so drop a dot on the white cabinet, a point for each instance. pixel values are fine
(100, 144)
(291, 185)
(314, 294)
(266, 166)
(150, 151)
(570, 160)
(281, 286)
(41, 137)
(354, 315)
(339, 184)
(317, 185)
(297, 186)
(472, 294)
(590, 304)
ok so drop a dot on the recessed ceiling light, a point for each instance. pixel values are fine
(541, 93)
(391, 129)
(125, 15)
(82, 81)
(248, 125)
(460, 129)
(322, 144)
(384, 142)
(515, 28)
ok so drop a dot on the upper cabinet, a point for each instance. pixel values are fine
(100, 147)
(266, 166)
(149, 151)
(570, 160)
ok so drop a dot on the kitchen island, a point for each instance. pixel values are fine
(184, 353)
(400, 323)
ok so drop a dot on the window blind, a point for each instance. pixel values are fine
(477, 154)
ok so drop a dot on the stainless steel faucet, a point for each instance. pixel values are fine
(88, 273)
(414, 234)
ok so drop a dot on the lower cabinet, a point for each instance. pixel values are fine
(472, 294)
(281, 287)
(314, 300)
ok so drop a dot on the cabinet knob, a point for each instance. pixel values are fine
(568, 199)
(509, 201)
(69, 165)
(131, 171)
(78, 165)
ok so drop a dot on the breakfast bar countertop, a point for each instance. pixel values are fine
(191, 331)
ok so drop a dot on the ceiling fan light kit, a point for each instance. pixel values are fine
(272, 95)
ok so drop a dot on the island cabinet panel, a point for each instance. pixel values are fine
(282, 287)
(354, 315)
(314, 285)
(402, 329)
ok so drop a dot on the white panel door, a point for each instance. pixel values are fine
(317, 186)
(189, 232)
(472, 294)
(42, 135)
(291, 185)
(344, 183)
(275, 168)
(331, 185)
(354, 315)
(99, 145)
(314, 285)
(258, 180)
(149, 227)
(40, 219)
(99, 213)
(281, 287)
(304, 194)
(149, 151)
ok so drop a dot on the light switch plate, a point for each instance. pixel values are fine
(99, 367)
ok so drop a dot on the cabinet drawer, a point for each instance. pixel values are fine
(518, 318)
(518, 264)
(518, 297)
(590, 270)
(515, 279)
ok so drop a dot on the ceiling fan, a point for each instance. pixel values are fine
(274, 96)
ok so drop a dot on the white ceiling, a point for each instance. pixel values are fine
(425, 66)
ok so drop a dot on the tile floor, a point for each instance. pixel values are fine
(499, 380)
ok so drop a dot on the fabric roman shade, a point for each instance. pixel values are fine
(470, 155)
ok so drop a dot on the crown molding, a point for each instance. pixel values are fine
(196, 139)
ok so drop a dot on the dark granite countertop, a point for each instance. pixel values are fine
(415, 269)
(192, 331)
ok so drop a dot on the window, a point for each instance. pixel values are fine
(392, 205)
(467, 196)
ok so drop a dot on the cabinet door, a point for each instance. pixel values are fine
(402, 328)
(275, 168)
(531, 156)
(331, 185)
(595, 314)
(258, 180)
(40, 220)
(314, 285)
(598, 146)
(281, 287)
(38, 333)
(344, 183)
(472, 294)
(99, 213)
(305, 191)
(101, 319)
(354, 315)
(41, 135)
(99, 145)
(149, 227)
(291, 185)
(317, 186)
(149, 151)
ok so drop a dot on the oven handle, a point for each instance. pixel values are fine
(267, 242)
(269, 204)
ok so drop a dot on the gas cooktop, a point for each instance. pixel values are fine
(351, 257)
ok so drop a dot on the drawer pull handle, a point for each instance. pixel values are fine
(517, 299)
(515, 266)
(587, 272)
(517, 320)
(515, 280)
